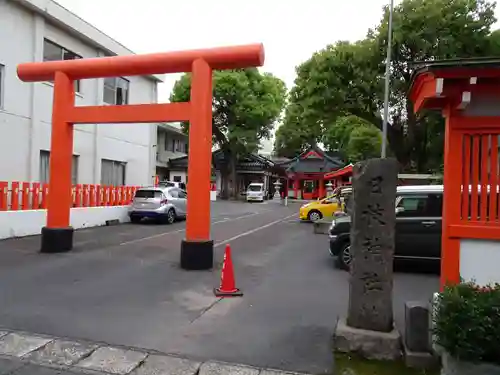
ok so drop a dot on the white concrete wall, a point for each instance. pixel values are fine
(26, 114)
(30, 222)
(479, 261)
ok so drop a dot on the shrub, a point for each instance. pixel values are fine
(467, 322)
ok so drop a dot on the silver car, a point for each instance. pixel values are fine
(162, 203)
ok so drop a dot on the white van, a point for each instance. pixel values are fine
(256, 192)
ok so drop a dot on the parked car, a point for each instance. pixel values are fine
(418, 226)
(256, 192)
(180, 185)
(166, 204)
(316, 210)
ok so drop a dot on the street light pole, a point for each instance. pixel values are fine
(387, 81)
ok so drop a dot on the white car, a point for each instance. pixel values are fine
(166, 204)
(256, 192)
(179, 185)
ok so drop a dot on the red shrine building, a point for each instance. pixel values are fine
(340, 177)
(305, 174)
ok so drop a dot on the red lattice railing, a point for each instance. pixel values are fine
(479, 201)
(33, 195)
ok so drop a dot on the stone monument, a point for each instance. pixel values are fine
(369, 327)
(417, 342)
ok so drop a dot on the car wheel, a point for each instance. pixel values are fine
(135, 219)
(170, 218)
(344, 258)
(314, 215)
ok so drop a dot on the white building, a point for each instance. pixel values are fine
(172, 144)
(118, 154)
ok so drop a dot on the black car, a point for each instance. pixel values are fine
(418, 226)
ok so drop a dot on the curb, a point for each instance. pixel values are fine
(97, 358)
(322, 226)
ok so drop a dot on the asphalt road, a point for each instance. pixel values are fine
(122, 285)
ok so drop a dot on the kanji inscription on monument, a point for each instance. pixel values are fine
(372, 244)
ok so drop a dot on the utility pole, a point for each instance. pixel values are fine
(387, 81)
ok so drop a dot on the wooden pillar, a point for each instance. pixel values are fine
(200, 147)
(321, 188)
(57, 236)
(197, 249)
(453, 159)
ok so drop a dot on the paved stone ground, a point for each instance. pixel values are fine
(122, 285)
(24, 353)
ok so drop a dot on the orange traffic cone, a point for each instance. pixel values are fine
(227, 284)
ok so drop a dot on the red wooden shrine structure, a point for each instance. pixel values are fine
(340, 177)
(305, 174)
(467, 93)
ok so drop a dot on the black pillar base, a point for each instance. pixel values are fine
(56, 240)
(197, 255)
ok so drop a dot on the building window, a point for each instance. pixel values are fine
(116, 90)
(177, 179)
(176, 145)
(112, 172)
(45, 167)
(2, 81)
(167, 143)
(54, 52)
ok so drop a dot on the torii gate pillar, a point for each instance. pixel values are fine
(468, 94)
(197, 249)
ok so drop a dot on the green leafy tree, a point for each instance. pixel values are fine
(246, 105)
(321, 83)
(364, 143)
(494, 43)
(429, 30)
(354, 137)
(348, 78)
(336, 136)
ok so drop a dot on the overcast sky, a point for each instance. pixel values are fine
(291, 30)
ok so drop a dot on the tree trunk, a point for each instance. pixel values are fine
(422, 155)
(224, 175)
(232, 167)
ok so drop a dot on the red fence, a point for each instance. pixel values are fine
(33, 195)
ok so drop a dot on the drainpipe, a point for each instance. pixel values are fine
(37, 55)
(98, 100)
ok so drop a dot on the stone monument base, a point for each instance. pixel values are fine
(419, 360)
(366, 343)
(322, 226)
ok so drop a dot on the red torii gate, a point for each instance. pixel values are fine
(197, 248)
